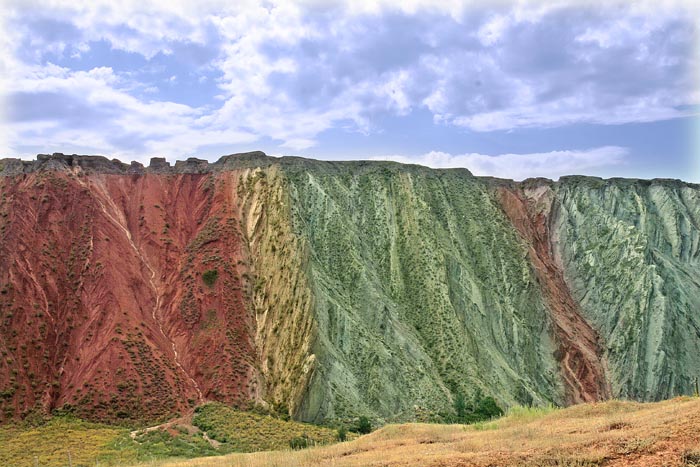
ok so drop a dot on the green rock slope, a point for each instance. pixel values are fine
(421, 288)
(631, 253)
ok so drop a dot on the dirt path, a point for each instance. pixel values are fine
(185, 422)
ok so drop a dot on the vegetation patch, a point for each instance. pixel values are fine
(363, 426)
(248, 432)
(64, 439)
(691, 458)
(480, 408)
(209, 277)
(61, 440)
(165, 443)
(53, 442)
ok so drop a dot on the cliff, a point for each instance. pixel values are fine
(336, 289)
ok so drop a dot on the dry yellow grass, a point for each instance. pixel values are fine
(611, 434)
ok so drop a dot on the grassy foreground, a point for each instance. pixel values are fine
(65, 440)
(605, 434)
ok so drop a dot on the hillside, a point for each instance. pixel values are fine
(611, 434)
(214, 430)
(330, 290)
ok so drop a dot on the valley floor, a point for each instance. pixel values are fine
(606, 434)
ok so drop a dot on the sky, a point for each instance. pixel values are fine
(513, 89)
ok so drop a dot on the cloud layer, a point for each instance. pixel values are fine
(521, 166)
(140, 78)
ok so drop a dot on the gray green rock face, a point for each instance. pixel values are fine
(631, 252)
(421, 288)
(424, 287)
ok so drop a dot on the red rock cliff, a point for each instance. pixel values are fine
(102, 287)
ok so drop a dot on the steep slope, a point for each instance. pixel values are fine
(330, 290)
(631, 253)
(422, 290)
(281, 296)
(102, 300)
(529, 206)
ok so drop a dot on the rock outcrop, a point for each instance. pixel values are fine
(336, 289)
(630, 250)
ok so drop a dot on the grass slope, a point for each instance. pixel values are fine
(611, 434)
(88, 444)
(52, 442)
(249, 432)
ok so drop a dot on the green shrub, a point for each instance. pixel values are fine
(209, 277)
(241, 431)
(342, 434)
(487, 408)
(460, 406)
(363, 426)
(301, 442)
(691, 459)
(479, 409)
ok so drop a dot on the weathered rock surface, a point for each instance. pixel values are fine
(422, 289)
(529, 207)
(631, 253)
(102, 301)
(333, 289)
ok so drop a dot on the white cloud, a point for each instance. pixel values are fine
(521, 166)
(492, 31)
(91, 112)
(532, 65)
(291, 70)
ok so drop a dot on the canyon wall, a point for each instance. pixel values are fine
(631, 252)
(335, 289)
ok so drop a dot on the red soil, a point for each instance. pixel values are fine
(579, 354)
(102, 301)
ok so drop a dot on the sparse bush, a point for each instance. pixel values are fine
(691, 459)
(487, 408)
(209, 277)
(363, 426)
(281, 411)
(460, 406)
(479, 409)
(301, 442)
(342, 434)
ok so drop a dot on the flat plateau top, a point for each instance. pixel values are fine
(193, 165)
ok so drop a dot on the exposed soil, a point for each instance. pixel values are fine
(103, 305)
(579, 353)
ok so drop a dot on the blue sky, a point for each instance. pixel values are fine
(511, 89)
